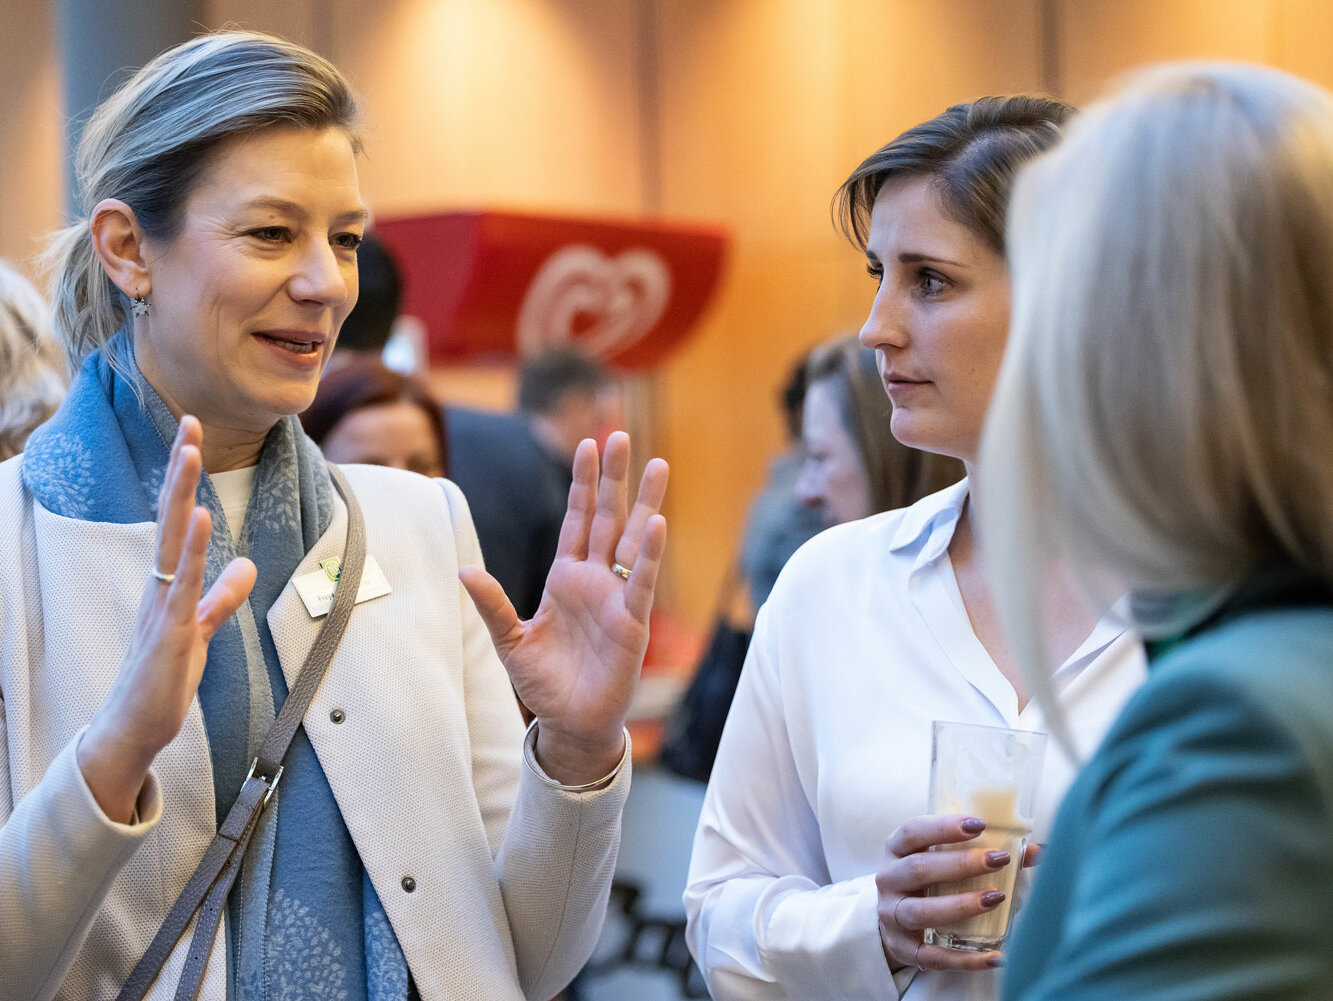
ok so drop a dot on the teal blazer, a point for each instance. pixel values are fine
(1192, 859)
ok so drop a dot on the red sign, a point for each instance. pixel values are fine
(506, 284)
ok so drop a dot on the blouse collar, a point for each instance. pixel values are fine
(928, 525)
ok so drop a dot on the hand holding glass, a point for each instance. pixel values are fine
(992, 773)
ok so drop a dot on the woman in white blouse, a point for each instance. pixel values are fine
(811, 859)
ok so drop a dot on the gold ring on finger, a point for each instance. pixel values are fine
(622, 572)
(916, 956)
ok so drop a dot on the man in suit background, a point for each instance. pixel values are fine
(514, 469)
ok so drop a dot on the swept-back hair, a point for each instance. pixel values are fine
(971, 150)
(152, 140)
(1163, 411)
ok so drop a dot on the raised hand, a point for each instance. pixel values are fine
(160, 673)
(576, 662)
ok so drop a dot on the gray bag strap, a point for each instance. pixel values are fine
(207, 889)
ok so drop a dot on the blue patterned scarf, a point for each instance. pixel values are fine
(304, 922)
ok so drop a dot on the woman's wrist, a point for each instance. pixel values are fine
(114, 768)
(577, 762)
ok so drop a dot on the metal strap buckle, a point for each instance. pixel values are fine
(272, 782)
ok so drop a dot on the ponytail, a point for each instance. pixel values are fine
(87, 307)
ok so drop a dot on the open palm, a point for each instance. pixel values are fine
(160, 672)
(576, 661)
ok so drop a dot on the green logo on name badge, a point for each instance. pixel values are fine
(332, 567)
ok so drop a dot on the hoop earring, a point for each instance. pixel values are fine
(139, 306)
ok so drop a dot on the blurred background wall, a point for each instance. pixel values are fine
(747, 113)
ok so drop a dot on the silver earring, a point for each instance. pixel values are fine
(139, 306)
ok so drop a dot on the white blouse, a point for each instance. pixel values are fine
(233, 488)
(863, 643)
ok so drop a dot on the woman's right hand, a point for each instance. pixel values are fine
(910, 868)
(161, 671)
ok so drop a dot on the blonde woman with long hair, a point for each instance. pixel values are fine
(1165, 416)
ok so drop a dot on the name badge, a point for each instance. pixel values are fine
(316, 587)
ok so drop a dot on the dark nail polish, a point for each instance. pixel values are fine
(973, 825)
(991, 897)
(995, 962)
(997, 860)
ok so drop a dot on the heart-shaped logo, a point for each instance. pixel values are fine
(600, 304)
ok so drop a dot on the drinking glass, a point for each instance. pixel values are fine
(989, 772)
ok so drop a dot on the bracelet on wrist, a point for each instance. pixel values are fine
(530, 754)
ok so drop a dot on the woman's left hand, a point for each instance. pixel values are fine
(576, 662)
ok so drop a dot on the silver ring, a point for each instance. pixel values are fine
(895, 913)
(620, 571)
(165, 578)
(916, 956)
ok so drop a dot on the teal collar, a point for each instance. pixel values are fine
(1274, 585)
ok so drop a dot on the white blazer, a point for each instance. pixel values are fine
(511, 872)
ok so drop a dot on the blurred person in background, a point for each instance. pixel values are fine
(366, 412)
(1173, 437)
(812, 858)
(369, 325)
(778, 522)
(177, 536)
(514, 468)
(565, 396)
(32, 366)
(850, 467)
(853, 466)
(776, 525)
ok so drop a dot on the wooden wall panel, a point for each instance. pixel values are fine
(31, 173)
(1305, 35)
(529, 103)
(903, 63)
(524, 103)
(744, 112)
(1100, 39)
(301, 21)
(765, 108)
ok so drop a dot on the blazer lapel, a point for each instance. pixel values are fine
(292, 627)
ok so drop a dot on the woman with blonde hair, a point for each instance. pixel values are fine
(32, 370)
(202, 618)
(813, 864)
(1164, 422)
